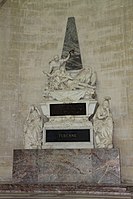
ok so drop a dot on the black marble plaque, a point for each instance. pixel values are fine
(68, 109)
(71, 43)
(68, 135)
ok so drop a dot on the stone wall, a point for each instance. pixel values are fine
(32, 32)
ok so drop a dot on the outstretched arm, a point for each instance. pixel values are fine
(65, 59)
(45, 73)
(68, 56)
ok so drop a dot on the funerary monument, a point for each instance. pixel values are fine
(69, 137)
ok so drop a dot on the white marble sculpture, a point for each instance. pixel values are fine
(103, 125)
(59, 79)
(57, 62)
(33, 129)
(85, 78)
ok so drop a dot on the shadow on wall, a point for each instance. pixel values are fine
(2, 2)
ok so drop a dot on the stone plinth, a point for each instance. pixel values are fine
(93, 166)
(68, 125)
(68, 117)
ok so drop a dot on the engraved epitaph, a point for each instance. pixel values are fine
(68, 135)
(68, 109)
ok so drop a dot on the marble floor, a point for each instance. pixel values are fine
(58, 196)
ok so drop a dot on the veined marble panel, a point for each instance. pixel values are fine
(65, 166)
(106, 166)
(96, 166)
(25, 167)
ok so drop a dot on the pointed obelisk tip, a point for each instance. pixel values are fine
(71, 42)
(71, 18)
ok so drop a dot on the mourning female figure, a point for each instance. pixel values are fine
(103, 125)
(33, 129)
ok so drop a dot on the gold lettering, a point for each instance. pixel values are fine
(67, 135)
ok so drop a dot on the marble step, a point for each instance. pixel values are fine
(59, 196)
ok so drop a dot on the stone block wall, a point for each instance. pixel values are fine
(32, 32)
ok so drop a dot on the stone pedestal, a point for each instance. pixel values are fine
(68, 120)
(91, 166)
(68, 133)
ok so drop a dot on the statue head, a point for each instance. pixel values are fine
(56, 58)
(32, 108)
(106, 102)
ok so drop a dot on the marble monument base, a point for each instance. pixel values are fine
(92, 166)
